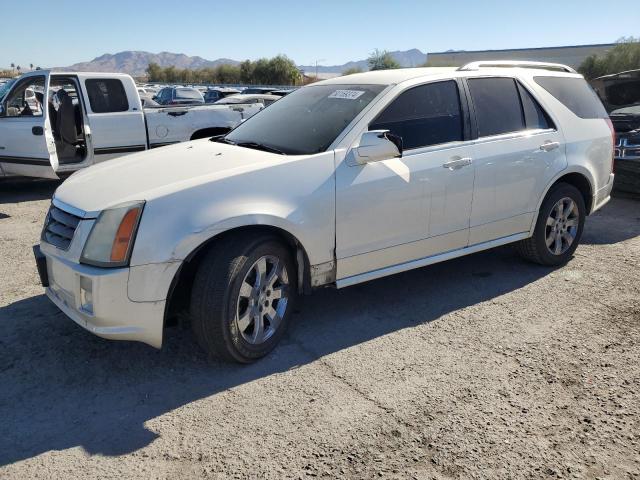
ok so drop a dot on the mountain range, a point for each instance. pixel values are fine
(135, 62)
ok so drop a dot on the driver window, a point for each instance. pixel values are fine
(26, 99)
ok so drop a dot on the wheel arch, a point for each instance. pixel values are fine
(180, 288)
(579, 178)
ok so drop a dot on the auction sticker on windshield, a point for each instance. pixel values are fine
(346, 94)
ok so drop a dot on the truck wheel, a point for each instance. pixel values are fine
(242, 298)
(558, 229)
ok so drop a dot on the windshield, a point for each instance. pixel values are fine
(4, 88)
(308, 120)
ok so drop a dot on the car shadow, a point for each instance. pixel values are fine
(63, 387)
(15, 190)
(618, 221)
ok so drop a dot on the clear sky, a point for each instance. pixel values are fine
(61, 32)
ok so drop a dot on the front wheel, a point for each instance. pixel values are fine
(558, 229)
(243, 297)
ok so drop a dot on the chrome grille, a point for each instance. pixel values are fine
(59, 228)
(628, 148)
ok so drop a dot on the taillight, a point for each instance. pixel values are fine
(613, 143)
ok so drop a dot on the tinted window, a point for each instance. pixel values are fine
(107, 95)
(497, 105)
(307, 120)
(425, 115)
(575, 94)
(534, 116)
(188, 93)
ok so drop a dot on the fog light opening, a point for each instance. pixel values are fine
(86, 295)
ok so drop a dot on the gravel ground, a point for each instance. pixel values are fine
(481, 367)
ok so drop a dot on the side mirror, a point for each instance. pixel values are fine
(377, 145)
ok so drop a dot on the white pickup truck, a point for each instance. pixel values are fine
(77, 119)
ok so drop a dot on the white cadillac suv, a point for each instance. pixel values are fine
(340, 182)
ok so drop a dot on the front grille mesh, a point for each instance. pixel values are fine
(59, 228)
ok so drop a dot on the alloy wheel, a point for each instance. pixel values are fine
(562, 226)
(263, 299)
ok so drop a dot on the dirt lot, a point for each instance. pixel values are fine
(482, 367)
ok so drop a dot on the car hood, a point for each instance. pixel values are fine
(158, 172)
(620, 92)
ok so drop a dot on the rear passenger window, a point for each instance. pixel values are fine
(575, 94)
(107, 95)
(425, 115)
(534, 116)
(497, 105)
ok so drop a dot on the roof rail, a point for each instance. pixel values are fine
(516, 64)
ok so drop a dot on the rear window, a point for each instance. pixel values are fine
(575, 94)
(188, 93)
(107, 95)
(534, 116)
(497, 105)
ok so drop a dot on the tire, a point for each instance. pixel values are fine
(547, 227)
(226, 314)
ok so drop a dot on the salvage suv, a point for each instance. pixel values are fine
(340, 182)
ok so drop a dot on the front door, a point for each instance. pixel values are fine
(403, 209)
(27, 146)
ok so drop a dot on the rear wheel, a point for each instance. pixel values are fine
(242, 297)
(558, 229)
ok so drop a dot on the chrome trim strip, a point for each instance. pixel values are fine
(73, 210)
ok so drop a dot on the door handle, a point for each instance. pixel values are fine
(37, 130)
(457, 163)
(548, 146)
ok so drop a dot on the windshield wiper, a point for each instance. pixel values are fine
(260, 146)
(221, 139)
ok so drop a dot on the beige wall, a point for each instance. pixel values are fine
(572, 56)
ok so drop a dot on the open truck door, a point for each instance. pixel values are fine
(27, 146)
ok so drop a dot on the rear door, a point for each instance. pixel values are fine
(27, 146)
(517, 152)
(115, 116)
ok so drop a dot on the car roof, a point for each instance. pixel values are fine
(386, 77)
(399, 75)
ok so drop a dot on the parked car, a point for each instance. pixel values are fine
(50, 138)
(264, 99)
(620, 94)
(262, 90)
(281, 93)
(179, 96)
(212, 95)
(340, 182)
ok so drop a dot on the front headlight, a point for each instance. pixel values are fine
(111, 239)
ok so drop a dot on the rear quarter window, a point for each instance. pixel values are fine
(575, 94)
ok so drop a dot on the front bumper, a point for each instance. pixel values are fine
(107, 311)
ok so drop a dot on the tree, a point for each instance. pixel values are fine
(13, 65)
(624, 56)
(31, 66)
(381, 60)
(351, 71)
